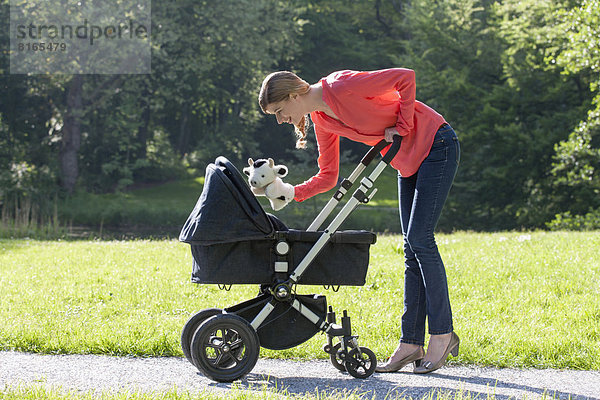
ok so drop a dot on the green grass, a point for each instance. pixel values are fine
(42, 393)
(236, 393)
(380, 214)
(35, 392)
(519, 299)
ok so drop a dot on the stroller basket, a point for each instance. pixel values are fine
(343, 261)
(284, 318)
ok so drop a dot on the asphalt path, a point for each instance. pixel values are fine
(101, 374)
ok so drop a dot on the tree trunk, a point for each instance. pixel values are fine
(183, 140)
(71, 138)
(143, 134)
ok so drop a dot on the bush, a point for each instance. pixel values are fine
(26, 206)
(568, 222)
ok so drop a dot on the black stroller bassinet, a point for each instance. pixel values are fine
(234, 241)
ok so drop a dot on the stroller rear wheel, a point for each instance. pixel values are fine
(225, 347)
(337, 357)
(361, 362)
(190, 328)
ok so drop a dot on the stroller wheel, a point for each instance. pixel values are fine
(190, 328)
(361, 362)
(225, 347)
(336, 358)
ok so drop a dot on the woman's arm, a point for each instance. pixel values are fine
(329, 159)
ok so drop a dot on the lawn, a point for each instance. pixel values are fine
(519, 299)
(235, 393)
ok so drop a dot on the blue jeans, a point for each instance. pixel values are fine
(421, 199)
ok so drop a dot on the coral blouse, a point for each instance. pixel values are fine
(366, 103)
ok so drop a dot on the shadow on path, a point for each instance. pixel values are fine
(377, 386)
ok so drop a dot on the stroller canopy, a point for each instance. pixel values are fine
(227, 210)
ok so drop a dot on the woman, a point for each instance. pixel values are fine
(367, 107)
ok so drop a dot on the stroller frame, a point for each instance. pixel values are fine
(224, 344)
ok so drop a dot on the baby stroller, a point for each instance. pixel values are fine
(233, 241)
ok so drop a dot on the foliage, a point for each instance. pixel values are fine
(206, 80)
(455, 56)
(576, 169)
(566, 221)
(25, 208)
(482, 66)
(511, 77)
(576, 163)
(159, 210)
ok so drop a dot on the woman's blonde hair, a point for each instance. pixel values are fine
(277, 87)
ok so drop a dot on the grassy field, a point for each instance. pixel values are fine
(41, 393)
(519, 299)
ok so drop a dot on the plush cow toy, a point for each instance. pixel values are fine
(264, 178)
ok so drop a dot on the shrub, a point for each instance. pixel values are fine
(568, 222)
(25, 209)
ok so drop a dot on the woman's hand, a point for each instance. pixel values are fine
(279, 193)
(389, 134)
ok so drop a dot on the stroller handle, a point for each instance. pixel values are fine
(375, 150)
(394, 149)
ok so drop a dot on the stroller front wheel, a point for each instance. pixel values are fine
(225, 347)
(361, 362)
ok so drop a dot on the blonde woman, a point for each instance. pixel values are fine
(367, 106)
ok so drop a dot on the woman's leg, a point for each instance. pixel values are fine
(421, 199)
(410, 348)
(432, 185)
(433, 182)
(413, 318)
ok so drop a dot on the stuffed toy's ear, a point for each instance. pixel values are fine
(247, 170)
(280, 170)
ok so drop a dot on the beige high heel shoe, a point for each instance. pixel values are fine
(452, 348)
(415, 357)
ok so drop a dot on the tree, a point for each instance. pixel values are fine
(208, 58)
(455, 53)
(544, 104)
(482, 65)
(576, 166)
(204, 84)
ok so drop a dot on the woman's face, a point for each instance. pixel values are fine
(287, 111)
